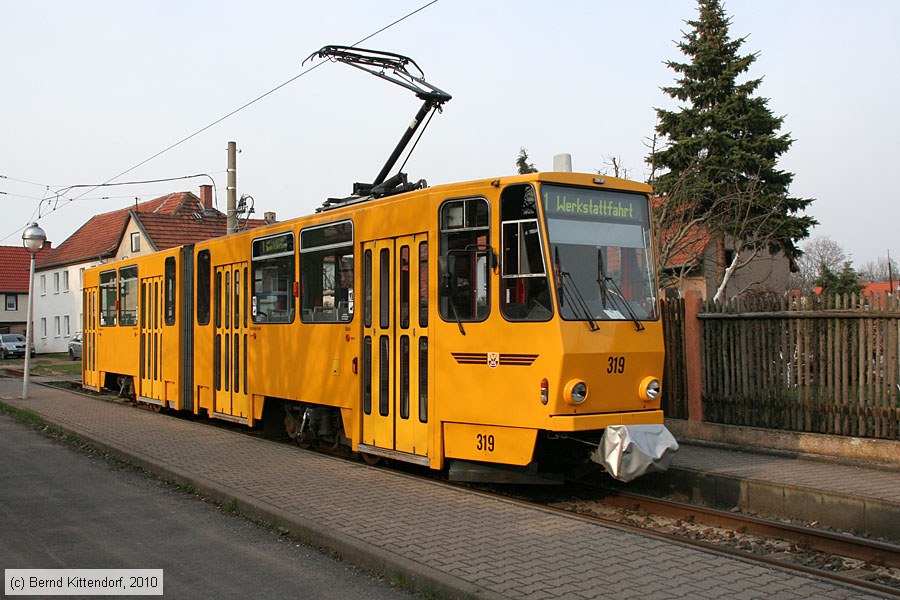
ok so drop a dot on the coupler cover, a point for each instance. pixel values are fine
(629, 451)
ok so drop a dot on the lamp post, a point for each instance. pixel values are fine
(33, 238)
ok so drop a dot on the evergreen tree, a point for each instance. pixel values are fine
(522, 163)
(833, 284)
(724, 143)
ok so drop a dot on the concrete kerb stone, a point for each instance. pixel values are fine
(830, 509)
(421, 577)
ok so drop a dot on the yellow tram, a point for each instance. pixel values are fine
(505, 321)
(501, 329)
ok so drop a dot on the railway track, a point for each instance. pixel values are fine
(641, 513)
(876, 564)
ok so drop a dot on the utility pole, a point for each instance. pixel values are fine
(231, 208)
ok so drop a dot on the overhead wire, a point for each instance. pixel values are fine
(220, 119)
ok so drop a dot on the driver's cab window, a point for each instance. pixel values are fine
(465, 260)
(524, 288)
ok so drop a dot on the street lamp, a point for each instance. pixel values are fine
(34, 239)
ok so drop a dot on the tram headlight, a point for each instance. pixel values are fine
(576, 392)
(650, 388)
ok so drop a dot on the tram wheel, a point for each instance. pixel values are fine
(370, 459)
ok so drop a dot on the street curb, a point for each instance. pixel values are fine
(418, 577)
(870, 516)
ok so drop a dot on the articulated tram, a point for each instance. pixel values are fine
(494, 328)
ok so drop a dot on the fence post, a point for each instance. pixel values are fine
(692, 355)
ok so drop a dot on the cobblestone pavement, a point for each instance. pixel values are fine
(454, 541)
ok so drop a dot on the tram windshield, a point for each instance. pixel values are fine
(600, 251)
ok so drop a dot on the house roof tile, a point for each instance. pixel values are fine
(14, 269)
(168, 221)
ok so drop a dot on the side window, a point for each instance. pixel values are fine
(204, 272)
(524, 287)
(423, 284)
(170, 290)
(107, 299)
(465, 257)
(273, 279)
(326, 264)
(128, 296)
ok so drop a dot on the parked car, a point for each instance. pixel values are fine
(75, 346)
(12, 345)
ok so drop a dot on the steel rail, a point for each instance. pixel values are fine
(808, 538)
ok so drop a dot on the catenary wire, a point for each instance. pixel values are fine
(230, 114)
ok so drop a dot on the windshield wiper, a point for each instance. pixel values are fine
(617, 293)
(452, 303)
(574, 295)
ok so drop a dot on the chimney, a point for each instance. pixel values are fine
(269, 218)
(206, 196)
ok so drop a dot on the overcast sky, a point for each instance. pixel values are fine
(93, 88)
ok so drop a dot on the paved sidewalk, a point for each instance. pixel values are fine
(851, 498)
(453, 541)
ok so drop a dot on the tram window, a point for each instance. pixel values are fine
(423, 379)
(108, 298)
(218, 299)
(466, 256)
(367, 288)
(384, 289)
(524, 287)
(128, 296)
(404, 287)
(170, 290)
(204, 280)
(423, 284)
(326, 264)
(273, 279)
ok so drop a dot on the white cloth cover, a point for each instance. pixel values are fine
(629, 451)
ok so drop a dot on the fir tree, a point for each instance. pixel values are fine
(724, 143)
(522, 163)
(835, 284)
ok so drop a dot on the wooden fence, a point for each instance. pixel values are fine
(812, 364)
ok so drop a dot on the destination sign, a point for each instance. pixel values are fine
(281, 244)
(593, 204)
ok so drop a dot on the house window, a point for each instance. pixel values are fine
(56, 283)
(81, 278)
(65, 281)
(66, 326)
(135, 242)
(43, 327)
(43, 284)
(12, 302)
(56, 326)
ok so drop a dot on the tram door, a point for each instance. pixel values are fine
(230, 398)
(152, 386)
(90, 375)
(395, 344)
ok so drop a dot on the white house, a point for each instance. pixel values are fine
(165, 222)
(14, 267)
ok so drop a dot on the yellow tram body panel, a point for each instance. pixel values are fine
(133, 327)
(356, 310)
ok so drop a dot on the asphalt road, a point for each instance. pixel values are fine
(61, 507)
